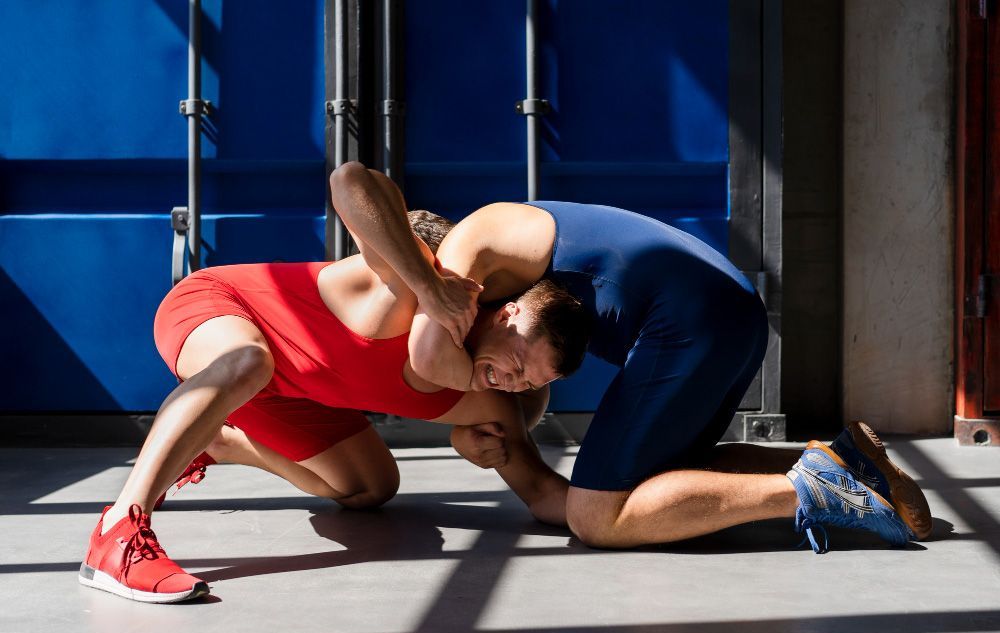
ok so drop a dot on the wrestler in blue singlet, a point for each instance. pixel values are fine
(686, 327)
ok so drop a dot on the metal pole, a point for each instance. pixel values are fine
(194, 136)
(392, 106)
(341, 240)
(529, 41)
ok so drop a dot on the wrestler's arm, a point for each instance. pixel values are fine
(483, 444)
(502, 251)
(374, 211)
(538, 486)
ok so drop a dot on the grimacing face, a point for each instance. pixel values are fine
(506, 358)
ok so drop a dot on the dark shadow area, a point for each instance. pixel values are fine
(773, 536)
(30, 475)
(33, 348)
(400, 531)
(941, 530)
(933, 622)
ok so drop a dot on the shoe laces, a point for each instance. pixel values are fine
(194, 474)
(811, 527)
(143, 543)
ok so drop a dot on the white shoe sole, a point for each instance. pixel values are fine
(99, 580)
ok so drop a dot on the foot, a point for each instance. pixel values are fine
(830, 494)
(864, 453)
(194, 473)
(128, 561)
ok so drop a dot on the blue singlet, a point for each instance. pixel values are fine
(686, 327)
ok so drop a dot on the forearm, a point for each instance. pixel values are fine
(531, 479)
(538, 486)
(533, 405)
(375, 212)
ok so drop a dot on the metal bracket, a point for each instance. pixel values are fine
(752, 426)
(533, 106)
(191, 107)
(977, 432)
(392, 107)
(180, 219)
(180, 222)
(341, 106)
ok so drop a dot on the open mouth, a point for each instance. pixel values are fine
(491, 377)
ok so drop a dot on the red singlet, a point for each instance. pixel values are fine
(323, 371)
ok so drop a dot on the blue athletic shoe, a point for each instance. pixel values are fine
(864, 453)
(864, 469)
(830, 494)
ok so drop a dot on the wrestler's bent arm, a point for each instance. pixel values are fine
(374, 211)
(538, 486)
(483, 444)
(496, 253)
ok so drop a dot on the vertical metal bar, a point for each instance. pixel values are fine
(392, 106)
(771, 189)
(341, 239)
(194, 135)
(532, 121)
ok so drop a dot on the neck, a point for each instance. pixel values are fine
(483, 319)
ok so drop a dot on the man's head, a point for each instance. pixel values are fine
(430, 227)
(530, 341)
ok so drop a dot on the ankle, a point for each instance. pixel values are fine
(785, 496)
(114, 514)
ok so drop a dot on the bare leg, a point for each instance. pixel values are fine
(232, 446)
(358, 472)
(225, 361)
(677, 505)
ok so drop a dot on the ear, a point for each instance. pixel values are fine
(507, 311)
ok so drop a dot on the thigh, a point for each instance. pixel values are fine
(199, 321)
(215, 338)
(673, 398)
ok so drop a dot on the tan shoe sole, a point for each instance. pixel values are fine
(907, 499)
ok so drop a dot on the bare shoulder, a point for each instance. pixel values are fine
(505, 245)
(512, 215)
(361, 300)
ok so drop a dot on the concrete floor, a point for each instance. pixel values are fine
(455, 551)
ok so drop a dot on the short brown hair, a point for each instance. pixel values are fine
(430, 227)
(560, 317)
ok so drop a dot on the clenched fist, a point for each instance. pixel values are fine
(481, 444)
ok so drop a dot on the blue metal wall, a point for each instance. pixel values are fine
(639, 117)
(93, 150)
(93, 156)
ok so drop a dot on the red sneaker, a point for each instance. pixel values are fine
(128, 561)
(194, 473)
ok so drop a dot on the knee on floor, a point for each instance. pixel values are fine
(367, 499)
(593, 532)
(594, 518)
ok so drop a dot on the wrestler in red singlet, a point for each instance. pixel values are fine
(323, 372)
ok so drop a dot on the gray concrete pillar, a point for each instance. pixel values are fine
(898, 210)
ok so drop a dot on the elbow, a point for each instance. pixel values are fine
(344, 176)
(348, 171)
